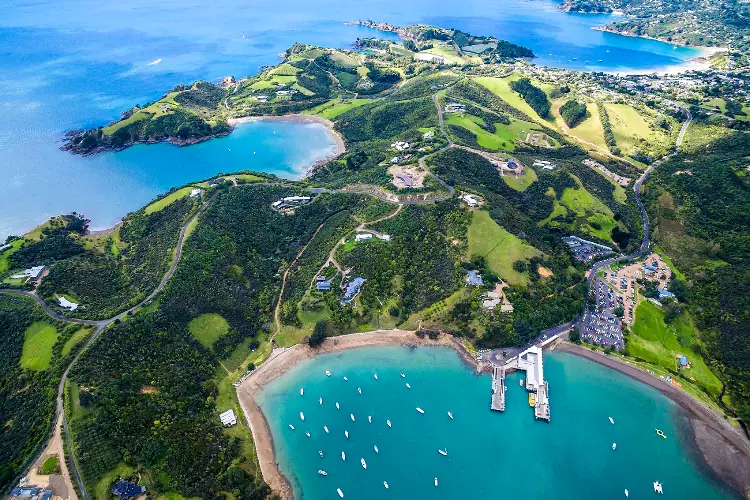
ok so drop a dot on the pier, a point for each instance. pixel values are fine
(498, 388)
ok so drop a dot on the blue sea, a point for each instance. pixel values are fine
(79, 63)
(490, 454)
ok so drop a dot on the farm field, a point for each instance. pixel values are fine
(501, 88)
(590, 129)
(168, 200)
(499, 247)
(39, 339)
(207, 328)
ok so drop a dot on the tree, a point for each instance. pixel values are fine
(619, 311)
(575, 336)
(319, 334)
(573, 112)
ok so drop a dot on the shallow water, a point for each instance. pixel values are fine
(79, 63)
(500, 455)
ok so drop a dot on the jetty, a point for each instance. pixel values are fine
(531, 362)
(498, 389)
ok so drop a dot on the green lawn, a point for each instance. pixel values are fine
(208, 327)
(499, 247)
(557, 209)
(50, 465)
(334, 108)
(590, 129)
(38, 341)
(285, 69)
(168, 200)
(73, 341)
(501, 88)
(345, 60)
(633, 131)
(605, 224)
(505, 137)
(580, 201)
(657, 342)
(4, 264)
(101, 491)
(522, 182)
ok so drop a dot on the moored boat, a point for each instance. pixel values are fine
(345, 379)
(532, 399)
(341, 493)
(359, 390)
(436, 481)
(389, 423)
(614, 446)
(328, 374)
(450, 415)
(408, 386)
(346, 433)
(611, 420)
(376, 376)
(291, 426)
(385, 483)
(320, 400)
(369, 418)
(302, 416)
(325, 428)
(520, 382)
(420, 410)
(301, 391)
(375, 447)
(659, 432)
(443, 452)
(322, 472)
(352, 416)
(364, 464)
(320, 452)
(337, 405)
(343, 456)
(402, 375)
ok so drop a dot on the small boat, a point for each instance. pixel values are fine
(291, 426)
(436, 481)
(659, 432)
(328, 374)
(443, 452)
(302, 391)
(364, 464)
(359, 390)
(402, 375)
(385, 483)
(337, 405)
(532, 399)
(450, 415)
(614, 446)
(343, 456)
(322, 473)
(408, 386)
(420, 410)
(307, 434)
(658, 488)
(302, 416)
(352, 415)
(341, 493)
(229, 150)
(345, 379)
(611, 421)
(627, 494)
(369, 418)
(320, 452)
(346, 433)
(375, 447)
(389, 423)
(520, 382)
(320, 400)
(325, 428)
(376, 376)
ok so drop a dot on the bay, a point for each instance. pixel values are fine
(500, 455)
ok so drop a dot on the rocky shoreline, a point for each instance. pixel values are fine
(110, 148)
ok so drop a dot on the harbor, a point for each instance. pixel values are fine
(531, 362)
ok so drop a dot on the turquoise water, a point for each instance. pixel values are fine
(79, 63)
(498, 455)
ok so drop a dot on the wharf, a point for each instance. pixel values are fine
(498, 389)
(529, 361)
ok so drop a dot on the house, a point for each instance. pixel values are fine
(31, 273)
(473, 278)
(400, 145)
(428, 135)
(684, 363)
(406, 180)
(195, 192)
(126, 489)
(322, 284)
(363, 237)
(455, 108)
(228, 418)
(395, 159)
(25, 492)
(491, 300)
(215, 182)
(5, 247)
(506, 308)
(665, 294)
(384, 237)
(470, 200)
(352, 290)
(544, 164)
(66, 304)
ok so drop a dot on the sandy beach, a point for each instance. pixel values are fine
(283, 360)
(724, 448)
(297, 118)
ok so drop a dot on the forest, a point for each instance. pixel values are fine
(573, 112)
(534, 96)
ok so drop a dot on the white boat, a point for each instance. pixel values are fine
(337, 405)
(450, 415)
(343, 456)
(302, 416)
(420, 410)
(376, 376)
(657, 488)
(611, 421)
(364, 464)
(320, 453)
(291, 426)
(369, 418)
(345, 379)
(320, 400)
(352, 415)
(346, 433)
(627, 494)
(385, 483)
(322, 473)
(520, 382)
(389, 423)
(307, 434)
(328, 374)
(402, 375)
(359, 390)
(436, 481)
(325, 428)
(408, 386)
(341, 493)
(443, 452)
(375, 447)
(614, 446)
(301, 391)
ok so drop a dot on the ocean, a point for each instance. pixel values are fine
(79, 63)
(490, 455)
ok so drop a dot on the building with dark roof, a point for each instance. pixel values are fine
(352, 289)
(126, 489)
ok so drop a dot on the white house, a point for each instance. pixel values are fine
(385, 237)
(31, 273)
(428, 134)
(195, 192)
(470, 200)
(363, 237)
(228, 418)
(66, 304)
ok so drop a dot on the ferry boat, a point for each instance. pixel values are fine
(375, 447)
(291, 426)
(402, 375)
(420, 410)
(389, 423)
(659, 432)
(443, 452)
(532, 399)
(658, 488)
(369, 418)
(346, 433)
(614, 446)
(352, 416)
(450, 415)
(611, 421)
(343, 456)
(337, 405)
(328, 374)
(385, 483)
(325, 428)
(322, 473)
(364, 464)
(302, 416)
(301, 391)
(341, 493)
(436, 481)
(408, 386)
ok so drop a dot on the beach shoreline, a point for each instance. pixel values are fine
(723, 448)
(301, 119)
(282, 361)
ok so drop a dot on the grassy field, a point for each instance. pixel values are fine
(168, 200)
(501, 88)
(447, 51)
(73, 341)
(505, 137)
(50, 465)
(4, 264)
(580, 201)
(633, 131)
(590, 129)
(557, 209)
(660, 343)
(332, 109)
(604, 226)
(38, 340)
(522, 182)
(208, 327)
(147, 113)
(499, 247)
